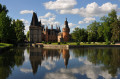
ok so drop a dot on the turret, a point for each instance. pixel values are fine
(66, 31)
(46, 28)
(51, 27)
(59, 29)
(40, 24)
(34, 21)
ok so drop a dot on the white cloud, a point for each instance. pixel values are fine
(26, 23)
(49, 19)
(91, 71)
(91, 10)
(49, 64)
(86, 20)
(118, 16)
(80, 22)
(48, 15)
(26, 70)
(60, 4)
(26, 55)
(26, 11)
(71, 25)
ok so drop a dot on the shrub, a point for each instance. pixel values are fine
(58, 43)
(45, 42)
(78, 43)
(107, 42)
(64, 43)
(89, 42)
(113, 42)
(49, 42)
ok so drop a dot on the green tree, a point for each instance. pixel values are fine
(115, 31)
(3, 8)
(5, 23)
(107, 24)
(19, 30)
(79, 35)
(28, 36)
(92, 31)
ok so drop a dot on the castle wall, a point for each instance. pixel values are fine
(35, 34)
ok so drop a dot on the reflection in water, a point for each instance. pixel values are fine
(8, 60)
(109, 58)
(57, 63)
(66, 56)
(38, 55)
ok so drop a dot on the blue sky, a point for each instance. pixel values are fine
(80, 13)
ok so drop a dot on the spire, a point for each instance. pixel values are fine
(51, 27)
(59, 29)
(66, 24)
(34, 21)
(40, 24)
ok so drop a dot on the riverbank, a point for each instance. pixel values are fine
(77, 43)
(5, 46)
(67, 46)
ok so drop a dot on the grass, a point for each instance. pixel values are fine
(2, 45)
(81, 43)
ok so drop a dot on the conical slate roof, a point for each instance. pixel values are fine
(34, 21)
(66, 24)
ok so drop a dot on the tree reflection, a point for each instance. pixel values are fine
(8, 60)
(109, 57)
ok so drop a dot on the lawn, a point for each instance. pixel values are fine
(2, 45)
(81, 43)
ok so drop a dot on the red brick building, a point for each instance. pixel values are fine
(39, 33)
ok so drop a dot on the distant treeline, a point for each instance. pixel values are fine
(107, 30)
(11, 31)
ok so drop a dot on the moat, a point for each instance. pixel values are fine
(77, 63)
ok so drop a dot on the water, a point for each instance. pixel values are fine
(79, 63)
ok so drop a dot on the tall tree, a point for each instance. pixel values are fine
(92, 29)
(115, 31)
(79, 35)
(28, 36)
(5, 23)
(3, 8)
(19, 29)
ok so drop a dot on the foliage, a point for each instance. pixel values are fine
(19, 30)
(5, 23)
(10, 31)
(106, 30)
(5, 45)
(108, 57)
(78, 43)
(28, 36)
(3, 8)
(79, 35)
(58, 43)
(49, 42)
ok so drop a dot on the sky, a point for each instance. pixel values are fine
(79, 13)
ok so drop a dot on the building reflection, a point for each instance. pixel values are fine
(65, 55)
(38, 55)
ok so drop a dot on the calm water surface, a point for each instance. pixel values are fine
(80, 63)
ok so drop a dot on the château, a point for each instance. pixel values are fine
(39, 33)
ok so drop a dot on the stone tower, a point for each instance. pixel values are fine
(35, 29)
(66, 31)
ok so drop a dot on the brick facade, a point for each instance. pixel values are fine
(39, 33)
